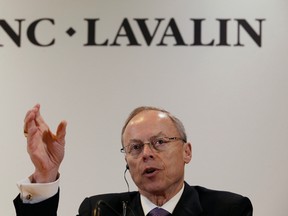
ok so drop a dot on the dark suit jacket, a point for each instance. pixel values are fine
(195, 201)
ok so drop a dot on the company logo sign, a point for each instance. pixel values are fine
(137, 32)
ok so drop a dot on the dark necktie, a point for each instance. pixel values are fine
(158, 212)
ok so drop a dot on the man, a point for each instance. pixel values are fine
(156, 151)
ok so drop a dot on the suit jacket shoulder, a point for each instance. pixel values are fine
(214, 202)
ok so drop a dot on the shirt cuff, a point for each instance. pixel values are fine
(37, 192)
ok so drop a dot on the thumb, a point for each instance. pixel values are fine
(61, 132)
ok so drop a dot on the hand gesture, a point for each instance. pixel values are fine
(46, 149)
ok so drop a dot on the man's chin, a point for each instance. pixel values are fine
(152, 188)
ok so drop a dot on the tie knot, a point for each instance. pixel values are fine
(158, 212)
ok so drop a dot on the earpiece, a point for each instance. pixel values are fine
(127, 167)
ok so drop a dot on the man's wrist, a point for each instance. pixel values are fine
(38, 177)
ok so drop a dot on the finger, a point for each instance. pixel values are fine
(48, 137)
(39, 121)
(29, 123)
(27, 115)
(33, 109)
(30, 116)
(61, 132)
(27, 118)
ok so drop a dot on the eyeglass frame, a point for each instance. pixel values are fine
(151, 145)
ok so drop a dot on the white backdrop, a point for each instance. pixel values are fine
(232, 100)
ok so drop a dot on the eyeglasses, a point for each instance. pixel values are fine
(158, 144)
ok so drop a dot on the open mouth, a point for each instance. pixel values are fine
(149, 170)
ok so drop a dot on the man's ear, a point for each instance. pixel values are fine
(187, 152)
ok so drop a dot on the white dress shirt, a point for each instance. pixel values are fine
(169, 206)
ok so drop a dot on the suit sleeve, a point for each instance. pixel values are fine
(85, 208)
(244, 208)
(45, 208)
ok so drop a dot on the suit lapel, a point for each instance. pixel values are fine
(189, 203)
(134, 207)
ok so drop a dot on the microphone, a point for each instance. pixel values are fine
(97, 209)
(124, 204)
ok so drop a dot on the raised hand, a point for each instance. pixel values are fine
(46, 149)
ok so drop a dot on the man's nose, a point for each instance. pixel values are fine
(147, 149)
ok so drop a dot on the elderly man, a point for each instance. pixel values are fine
(156, 150)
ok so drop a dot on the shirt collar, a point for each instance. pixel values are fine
(169, 206)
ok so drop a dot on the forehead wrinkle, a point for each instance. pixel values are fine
(139, 140)
(143, 121)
